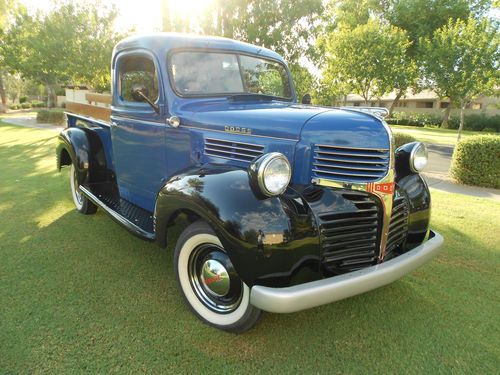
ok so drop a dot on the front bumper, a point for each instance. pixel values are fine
(316, 293)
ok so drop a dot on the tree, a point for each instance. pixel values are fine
(7, 7)
(419, 18)
(285, 26)
(71, 44)
(365, 60)
(303, 80)
(462, 61)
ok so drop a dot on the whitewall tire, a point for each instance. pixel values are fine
(82, 203)
(209, 283)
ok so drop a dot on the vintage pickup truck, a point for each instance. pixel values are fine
(288, 206)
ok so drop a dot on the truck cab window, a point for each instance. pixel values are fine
(137, 70)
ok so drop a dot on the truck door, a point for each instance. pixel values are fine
(137, 131)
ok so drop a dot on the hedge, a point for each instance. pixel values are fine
(476, 161)
(402, 138)
(476, 122)
(479, 122)
(37, 104)
(54, 116)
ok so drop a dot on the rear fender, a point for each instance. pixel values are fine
(85, 151)
(269, 240)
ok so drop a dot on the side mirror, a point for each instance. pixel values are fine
(139, 92)
(306, 99)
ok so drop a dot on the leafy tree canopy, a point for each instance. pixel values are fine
(365, 60)
(462, 59)
(71, 44)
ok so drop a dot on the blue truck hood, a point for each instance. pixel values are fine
(270, 119)
(287, 121)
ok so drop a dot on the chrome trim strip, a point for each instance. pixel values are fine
(341, 166)
(144, 122)
(233, 153)
(226, 141)
(212, 144)
(87, 118)
(351, 154)
(351, 161)
(354, 148)
(244, 135)
(347, 174)
(317, 293)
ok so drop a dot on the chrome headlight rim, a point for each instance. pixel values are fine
(413, 154)
(262, 163)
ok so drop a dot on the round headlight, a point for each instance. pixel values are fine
(273, 174)
(418, 157)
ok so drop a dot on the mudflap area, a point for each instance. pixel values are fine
(134, 218)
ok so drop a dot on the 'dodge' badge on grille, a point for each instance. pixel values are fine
(382, 188)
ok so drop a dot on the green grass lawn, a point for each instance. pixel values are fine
(80, 294)
(434, 135)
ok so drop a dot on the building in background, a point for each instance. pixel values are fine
(426, 102)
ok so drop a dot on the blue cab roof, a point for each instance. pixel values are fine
(162, 43)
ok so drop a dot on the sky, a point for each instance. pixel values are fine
(143, 15)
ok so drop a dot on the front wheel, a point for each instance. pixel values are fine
(82, 203)
(209, 282)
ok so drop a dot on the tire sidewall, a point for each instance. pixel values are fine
(73, 183)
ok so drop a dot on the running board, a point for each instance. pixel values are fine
(112, 207)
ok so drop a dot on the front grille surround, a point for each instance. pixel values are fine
(232, 150)
(350, 164)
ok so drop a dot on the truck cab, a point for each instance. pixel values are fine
(290, 206)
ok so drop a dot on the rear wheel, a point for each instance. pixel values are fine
(82, 203)
(209, 282)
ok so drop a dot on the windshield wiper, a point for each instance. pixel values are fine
(252, 96)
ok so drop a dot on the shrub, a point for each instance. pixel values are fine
(37, 104)
(57, 116)
(477, 122)
(42, 116)
(53, 116)
(413, 119)
(476, 161)
(13, 106)
(23, 99)
(402, 138)
(25, 105)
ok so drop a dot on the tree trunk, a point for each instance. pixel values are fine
(3, 103)
(50, 96)
(446, 116)
(461, 127)
(393, 104)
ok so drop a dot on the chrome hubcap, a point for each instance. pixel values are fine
(214, 279)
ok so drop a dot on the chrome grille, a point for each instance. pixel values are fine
(350, 240)
(398, 228)
(350, 164)
(232, 150)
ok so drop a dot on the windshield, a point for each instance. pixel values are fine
(214, 73)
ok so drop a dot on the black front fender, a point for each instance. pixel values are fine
(269, 240)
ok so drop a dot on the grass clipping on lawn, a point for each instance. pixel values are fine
(79, 294)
